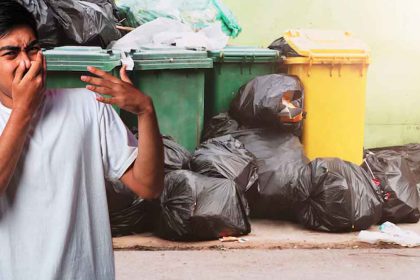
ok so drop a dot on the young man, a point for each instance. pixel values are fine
(57, 149)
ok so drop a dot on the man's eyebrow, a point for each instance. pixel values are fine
(16, 48)
(32, 44)
(9, 48)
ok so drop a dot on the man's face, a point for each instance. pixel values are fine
(19, 45)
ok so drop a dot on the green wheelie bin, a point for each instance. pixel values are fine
(174, 79)
(233, 67)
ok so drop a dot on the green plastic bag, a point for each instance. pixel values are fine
(196, 13)
(230, 25)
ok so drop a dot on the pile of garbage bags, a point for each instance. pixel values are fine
(195, 24)
(202, 205)
(208, 201)
(89, 22)
(251, 164)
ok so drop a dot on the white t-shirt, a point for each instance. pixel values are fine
(54, 220)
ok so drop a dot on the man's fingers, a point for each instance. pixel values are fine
(100, 90)
(39, 80)
(110, 100)
(36, 67)
(102, 74)
(20, 71)
(124, 76)
(96, 81)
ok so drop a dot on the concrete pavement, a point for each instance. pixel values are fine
(265, 234)
(343, 264)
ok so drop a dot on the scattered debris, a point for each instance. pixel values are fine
(233, 239)
(390, 233)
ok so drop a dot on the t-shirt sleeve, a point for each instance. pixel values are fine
(118, 144)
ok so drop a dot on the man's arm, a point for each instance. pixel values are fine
(145, 176)
(27, 93)
(12, 142)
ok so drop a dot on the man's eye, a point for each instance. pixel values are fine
(34, 50)
(10, 54)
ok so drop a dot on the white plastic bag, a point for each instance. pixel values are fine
(390, 233)
(216, 38)
(169, 32)
(145, 34)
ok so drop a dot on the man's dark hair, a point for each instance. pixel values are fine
(13, 14)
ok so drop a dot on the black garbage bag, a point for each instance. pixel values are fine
(274, 100)
(128, 213)
(195, 207)
(393, 174)
(283, 47)
(176, 156)
(337, 196)
(108, 5)
(86, 22)
(226, 157)
(279, 157)
(411, 153)
(48, 32)
(219, 125)
(119, 196)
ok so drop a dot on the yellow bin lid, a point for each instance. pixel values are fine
(325, 46)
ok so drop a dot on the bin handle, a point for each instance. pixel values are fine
(243, 64)
(310, 66)
(222, 56)
(252, 60)
(332, 66)
(362, 68)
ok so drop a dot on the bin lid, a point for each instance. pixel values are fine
(169, 58)
(327, 45)
(244, 54)
(77, 58)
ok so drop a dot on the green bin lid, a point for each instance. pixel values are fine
(169, 58)
(77, 58)
(246, 54)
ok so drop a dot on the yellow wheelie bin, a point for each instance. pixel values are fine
(332, 67)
